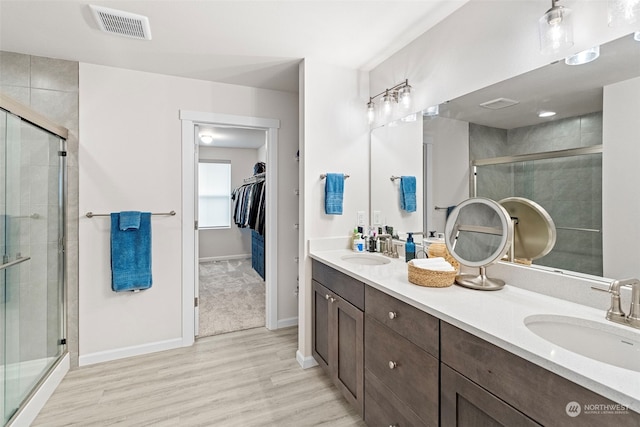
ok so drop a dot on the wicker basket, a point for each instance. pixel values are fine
(432, 278)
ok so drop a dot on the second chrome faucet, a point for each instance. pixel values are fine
(615, 313)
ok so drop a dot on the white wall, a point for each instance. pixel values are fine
(620, 191)
(234, 242)
(397, 151)
(130, 151)
(335, 138)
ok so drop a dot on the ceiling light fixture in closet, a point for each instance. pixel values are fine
(206, 137)
(556, 29)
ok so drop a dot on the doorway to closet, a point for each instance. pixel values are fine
(231, 215)
(190, 245)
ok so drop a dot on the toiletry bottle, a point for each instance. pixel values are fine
(359, 246)
(409, 248)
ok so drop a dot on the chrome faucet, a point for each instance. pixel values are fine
(390, 249)
(615, 313)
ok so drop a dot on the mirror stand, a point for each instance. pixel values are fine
(481, 282)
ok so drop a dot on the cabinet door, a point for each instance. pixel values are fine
(465, 404)
(346, 350)
(320, 330)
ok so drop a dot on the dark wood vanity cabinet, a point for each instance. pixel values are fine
(338, 327)
(401, 363)
(482, 384)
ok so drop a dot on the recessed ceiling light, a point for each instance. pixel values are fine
(583, 57)
(636, 36)
(543, 114)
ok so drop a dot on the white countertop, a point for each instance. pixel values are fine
(498, 317)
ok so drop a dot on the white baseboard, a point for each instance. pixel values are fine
(225, 257)
(305, 362)
(121, 353)
(285, 323)
(33, 407)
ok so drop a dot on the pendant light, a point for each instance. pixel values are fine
(556, 29)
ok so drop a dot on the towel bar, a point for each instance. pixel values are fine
(393, 177)
(91, 214)
(324, 175)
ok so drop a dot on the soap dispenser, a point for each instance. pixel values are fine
(409, 248)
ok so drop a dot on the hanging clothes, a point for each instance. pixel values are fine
(249, 206)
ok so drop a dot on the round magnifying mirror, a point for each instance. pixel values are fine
(478, 233)
(534, 232)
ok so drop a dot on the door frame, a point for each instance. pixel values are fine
(189, 251)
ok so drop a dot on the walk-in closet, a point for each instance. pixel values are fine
(231, 192)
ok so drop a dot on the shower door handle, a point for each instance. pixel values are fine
(14, 262)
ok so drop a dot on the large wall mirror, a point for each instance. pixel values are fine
(493, 143)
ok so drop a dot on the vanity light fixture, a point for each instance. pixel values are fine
(556, 29)
(583, 57)
(623, 12)
(390, 98)
(206, 137)
(544, 114)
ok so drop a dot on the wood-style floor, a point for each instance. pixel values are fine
(245, 378)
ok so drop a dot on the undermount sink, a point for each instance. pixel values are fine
(599, 341)
(366, 259)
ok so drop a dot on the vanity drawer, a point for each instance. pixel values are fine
(347, 287)
(382, 408)
(408, 371)
(538, 393)
(417, 326)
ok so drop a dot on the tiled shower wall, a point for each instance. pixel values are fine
(50, 87)
(570, 189)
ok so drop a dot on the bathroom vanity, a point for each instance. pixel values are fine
(408, 355)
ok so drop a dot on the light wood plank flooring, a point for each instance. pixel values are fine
(245, 378)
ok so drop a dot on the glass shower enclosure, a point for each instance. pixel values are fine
(32, 191)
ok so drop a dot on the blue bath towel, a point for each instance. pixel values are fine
(408, 193)
(333, 194)
(130, 251)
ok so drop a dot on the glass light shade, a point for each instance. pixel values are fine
(387, 104)
(556, 30)
(371, 112)
(583, 57)
(623, 12)
(405, 98)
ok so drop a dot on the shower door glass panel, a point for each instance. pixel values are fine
(570, 190)
(31, 213)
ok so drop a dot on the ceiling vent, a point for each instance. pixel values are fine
(122, 23)
(497, 104)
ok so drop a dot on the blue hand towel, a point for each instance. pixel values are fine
(130, 252)
(333, 194)
(129, 220)
(408, 193)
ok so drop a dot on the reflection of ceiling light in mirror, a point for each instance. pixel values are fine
(206, 137)
(544, 114)
(583, 57)
(623, 12)
(393, 124)
(555, 29)
(410, 118)
(431, 111)
(636, 36)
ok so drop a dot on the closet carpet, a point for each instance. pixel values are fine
(241, 379)
(232, 297)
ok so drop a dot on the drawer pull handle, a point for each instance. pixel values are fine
(393, 315)
(392, 364)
